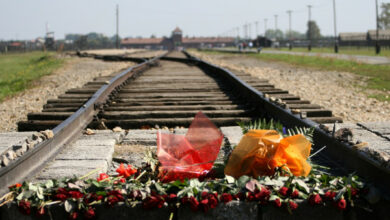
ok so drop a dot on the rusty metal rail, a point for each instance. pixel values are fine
(34, 160)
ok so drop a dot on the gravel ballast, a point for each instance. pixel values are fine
(74, 73)
(337, 91)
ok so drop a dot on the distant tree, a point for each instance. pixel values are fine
(113, 38)
(72, 37)
(81, 42)
(294, 35)
(152, 36)
(274, 34)
(94, 36)
(384, 17)
(313, 31)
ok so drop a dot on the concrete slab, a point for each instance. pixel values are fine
(233, 134)
(377, 147)
(70, 168)
(102, 134)
(88, 153)
(380, 128)
(142, 137)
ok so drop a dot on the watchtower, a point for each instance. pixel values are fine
(177, 37)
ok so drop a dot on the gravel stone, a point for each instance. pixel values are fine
(11, 155)
(4, 160)
(75, 73)
(336, 91)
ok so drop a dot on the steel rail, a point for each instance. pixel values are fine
(341, 153)
(34, 160)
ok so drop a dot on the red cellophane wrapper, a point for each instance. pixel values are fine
(191, 155)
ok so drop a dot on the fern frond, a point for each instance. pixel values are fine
(261, 124)
(307, 132)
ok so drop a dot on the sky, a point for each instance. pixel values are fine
(26, 19)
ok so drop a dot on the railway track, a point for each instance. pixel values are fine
(168, 91)
(170, 95)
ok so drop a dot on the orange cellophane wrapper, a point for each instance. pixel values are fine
(189, 156)
(261, 151)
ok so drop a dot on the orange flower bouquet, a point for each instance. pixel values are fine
(261, 151)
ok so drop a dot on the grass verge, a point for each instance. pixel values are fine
(19, 71)
(379, 75)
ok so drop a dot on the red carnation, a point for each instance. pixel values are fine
(113, 197)
(329, 195)
(62, 194)
(125, 172)
(341, 204)
(354, 191)
(90, 213)
(152, 202)
(61, 197)
(277, 203)
(17, 185)
(116, 193)
(193, 203)
(213, 200)
(88, 198)
(73, 215)
(315, 199)
(184, 200)
(204, 205)
(226, 197)
(122, 180)
(283, 191)
(75, 194)
(204, 194)
(292, 205)
(250, 196)
(295, 194)
(262, 195)
(240, 196)
(102, 176)
(170, 198)
(25, 207)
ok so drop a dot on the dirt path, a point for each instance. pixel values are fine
(336, 91)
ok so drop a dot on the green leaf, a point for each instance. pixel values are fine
(230, 179)
(334, 182)
(73, 186)
(340, 193)
(32, 187)
(159, 188)
(185, 192)
(241, 182)
(96, 183)
(49, 184)
(40, 193)
(194, 182)
(20, 196)
(261, 124)
(302, 185)
(69, 206)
